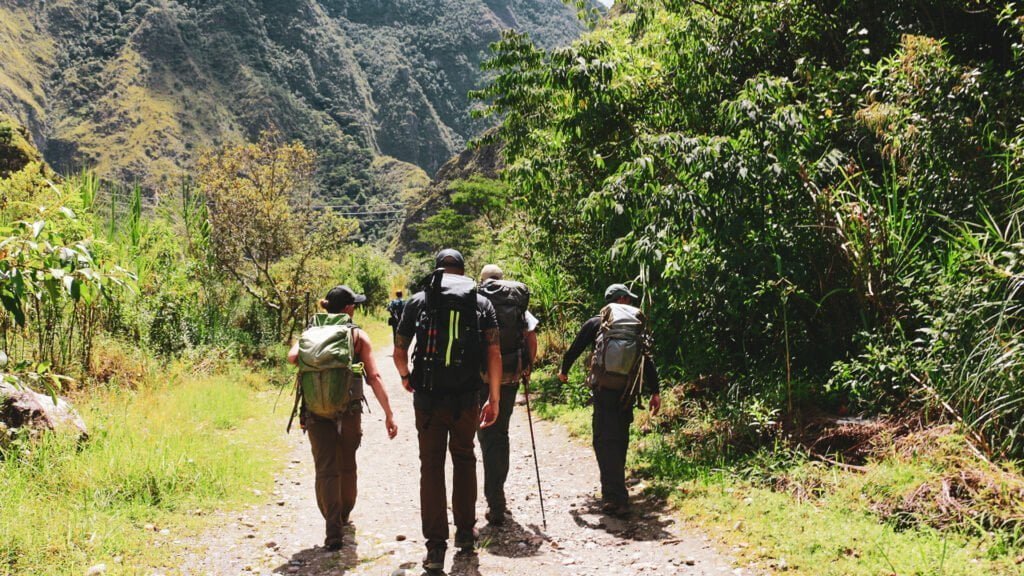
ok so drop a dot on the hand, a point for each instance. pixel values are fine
(488, 414)
(563, 377)
(407, 384)
(389, 423)
(655, 404)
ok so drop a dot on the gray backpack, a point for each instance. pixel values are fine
(619, 347)
(510, 300)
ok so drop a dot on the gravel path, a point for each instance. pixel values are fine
(284, 535)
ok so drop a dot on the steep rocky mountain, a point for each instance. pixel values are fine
(135, 88)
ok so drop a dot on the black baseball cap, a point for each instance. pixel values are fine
(341, 296)
(449, 258)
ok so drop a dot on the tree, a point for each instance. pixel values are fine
(262, 212)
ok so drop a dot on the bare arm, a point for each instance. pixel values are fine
(401, 359)
(293, 354)
(489, 412)
(375, 381)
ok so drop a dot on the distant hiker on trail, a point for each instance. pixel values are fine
(395, 308)
(456, 333)
(518, 350)
(334, 356)
(620, 367)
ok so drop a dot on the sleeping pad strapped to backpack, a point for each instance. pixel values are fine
(330, 381)
(447, 357)
(510, 300)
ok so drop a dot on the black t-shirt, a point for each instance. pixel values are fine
(487, 320)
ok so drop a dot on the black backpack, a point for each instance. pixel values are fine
(395, 309)
(448, 352)
(510, 300)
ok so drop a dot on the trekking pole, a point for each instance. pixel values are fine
(533, 442)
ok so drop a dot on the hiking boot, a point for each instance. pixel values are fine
(433, 563)
(495, 516)
(614, 508)
(465, 542)
(332, 545)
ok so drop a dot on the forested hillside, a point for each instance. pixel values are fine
(134, 88)
(820, 199)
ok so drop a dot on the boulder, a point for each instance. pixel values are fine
(23, 408)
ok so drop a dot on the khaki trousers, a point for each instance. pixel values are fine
(334, 454)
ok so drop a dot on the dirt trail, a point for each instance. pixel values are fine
(284, 535)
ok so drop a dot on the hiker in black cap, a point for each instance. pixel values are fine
(456, 333)
(334, 356)
(620, 370)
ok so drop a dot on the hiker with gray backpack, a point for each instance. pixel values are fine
(334, 357)
(621, 369)
(517, 330)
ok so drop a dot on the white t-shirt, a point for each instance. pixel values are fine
(531, 322)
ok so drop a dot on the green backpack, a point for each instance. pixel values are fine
(329, 379)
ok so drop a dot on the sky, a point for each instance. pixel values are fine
(607, 3)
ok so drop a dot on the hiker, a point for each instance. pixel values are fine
(394, 309)
(620, 367)
(456, 333)
(517, 329)
(334, 356)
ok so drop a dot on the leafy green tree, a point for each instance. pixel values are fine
(262, 213)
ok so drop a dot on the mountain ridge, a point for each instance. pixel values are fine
(134, 88)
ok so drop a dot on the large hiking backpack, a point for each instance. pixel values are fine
(447, 356)
(510, 300)
(330, 379)
(619, 347)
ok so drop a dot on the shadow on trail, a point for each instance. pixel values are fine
(465, 565)
(320, 561)
(512, 539)
(648, 520)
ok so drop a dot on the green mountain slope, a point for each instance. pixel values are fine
(136, 87)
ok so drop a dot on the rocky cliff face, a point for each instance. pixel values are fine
(135, 87)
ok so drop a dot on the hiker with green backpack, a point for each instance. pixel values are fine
(334, 357)
(518, 336)
(456, 334)
(621, 368)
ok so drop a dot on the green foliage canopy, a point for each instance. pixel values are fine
(788, 181)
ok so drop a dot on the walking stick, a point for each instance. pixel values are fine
(533, 442)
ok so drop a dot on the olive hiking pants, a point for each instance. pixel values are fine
(334, 455)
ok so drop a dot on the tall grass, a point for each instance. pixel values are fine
(152, 457)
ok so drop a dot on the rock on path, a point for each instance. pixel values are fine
(284, 535)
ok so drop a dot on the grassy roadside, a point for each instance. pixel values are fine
(783, 513)
(156, 460)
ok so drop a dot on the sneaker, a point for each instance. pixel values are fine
(433, 563)
(466, 542)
